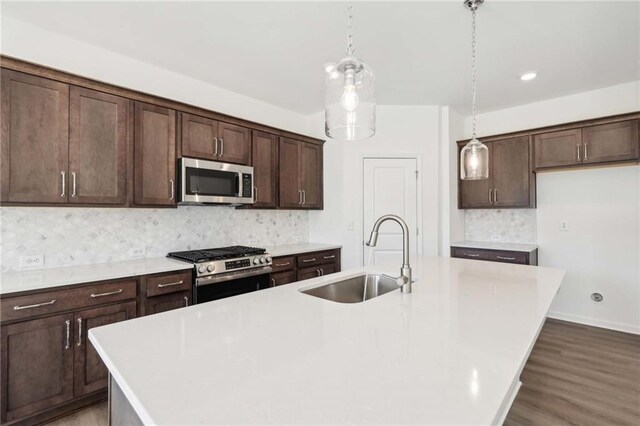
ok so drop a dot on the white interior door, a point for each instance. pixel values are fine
(390, 187)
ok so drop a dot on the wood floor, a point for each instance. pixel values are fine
(576, 375)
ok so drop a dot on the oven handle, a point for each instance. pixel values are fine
(213, 279)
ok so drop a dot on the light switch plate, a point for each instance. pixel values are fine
(564, 225)
(33, 261)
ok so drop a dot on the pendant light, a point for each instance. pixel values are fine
(350, 106)
(474, 157)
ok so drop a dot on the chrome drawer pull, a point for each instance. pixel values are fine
(273, 282)
(578, 148)
(283, 264)
(111, 293)
(79, 331)
(215, 146)
(586, 153)
(471, 254)
(309, 260)
(173, 189)
(221, 147)
(506, 258)
(37, 305)
(170, 284)
(62, 179)
(186, 301)
(68, 323)
(73, 186)
(333, 256)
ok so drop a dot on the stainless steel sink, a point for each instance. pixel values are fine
(354, 290)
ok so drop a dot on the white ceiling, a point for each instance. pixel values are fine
(420, 51)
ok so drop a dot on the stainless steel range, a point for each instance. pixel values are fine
(226, 271)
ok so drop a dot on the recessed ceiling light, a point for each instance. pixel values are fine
(528, 76)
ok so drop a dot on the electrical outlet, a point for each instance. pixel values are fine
(495, 237)
(33, 261)
(137, 252)
(564, 225)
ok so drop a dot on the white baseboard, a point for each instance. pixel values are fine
(627, 328)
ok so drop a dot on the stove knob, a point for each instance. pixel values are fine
(210, 268)
(201, 269)
(268, 259)
(256, 260)
(262, 260)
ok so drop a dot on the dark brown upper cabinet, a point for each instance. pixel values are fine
(154, 155)
(213, 140)
(558, 149)
(610, 142)
(98, 144)
(511, 183)
(300, 175)
(35, 139)
(265, 169)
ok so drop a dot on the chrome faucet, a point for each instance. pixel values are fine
(404, 280)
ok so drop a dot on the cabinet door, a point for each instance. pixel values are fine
(289, 171)
(329, 269)
(265, 169)
(97, 147)
(37, 365)
(235, 144)
(155, 155)
(476, 193)
(306, 273)
(311, 175)
(90, 373)
(557, 149)
(610, 142)
(167, 302)
(282, 278)
(199, 137)
(512, 176)
(35, 139)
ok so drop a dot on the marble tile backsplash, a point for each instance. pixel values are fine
(76, 236)
(507, 226)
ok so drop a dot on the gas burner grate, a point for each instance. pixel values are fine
(221, 253)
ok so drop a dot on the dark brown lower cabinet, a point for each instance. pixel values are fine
(167, 302)
(288, 269)
(503, 256)
(281, 278)
(37, 365)
(90, 373)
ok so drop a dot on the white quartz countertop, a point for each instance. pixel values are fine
(38, 279)
(528, 248)
(291, 249)
(449, 353)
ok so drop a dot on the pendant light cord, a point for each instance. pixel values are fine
(473, 71)
(350, 47)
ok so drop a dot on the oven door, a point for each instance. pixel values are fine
(203, 182)
(217, 287)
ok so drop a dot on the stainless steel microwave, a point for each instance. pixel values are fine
(212, 182)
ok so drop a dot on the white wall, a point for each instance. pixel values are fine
(400, 130)
(600, 252)
(31, 43)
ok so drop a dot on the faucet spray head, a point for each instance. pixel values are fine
(373, 239)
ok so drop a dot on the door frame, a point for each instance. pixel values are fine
(419, 217)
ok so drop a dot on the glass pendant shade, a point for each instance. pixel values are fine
(474, 161)
(350, 105)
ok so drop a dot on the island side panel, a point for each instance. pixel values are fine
(121, 412)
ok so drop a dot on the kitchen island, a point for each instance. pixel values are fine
(451, 352)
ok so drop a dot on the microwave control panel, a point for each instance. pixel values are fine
(247, 185)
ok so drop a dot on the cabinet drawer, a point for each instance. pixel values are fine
(467, 253)
(168, 283)
(283, 263)
(508, 257)
(63, 300)
(318, 258)
(281, 278)
(307, 273)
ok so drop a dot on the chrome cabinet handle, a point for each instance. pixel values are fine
(111, 293)
(255, 194)
(586, 152)
(304, 197)
(173, 189)
(578, 148)
(506, 258)
(63, 183)
(221, 147)
(282, 264)
(300, 194)
(186, 301)
(308, 260)
(495, 196)
(37, 305)
(471, 254)
(321, 272)
(273, 282)
(79, 331)
(333, 256)
(215, 146)
(170, 284)
(318, 272)
(73, 185)
(490, 195)
(68, 343)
